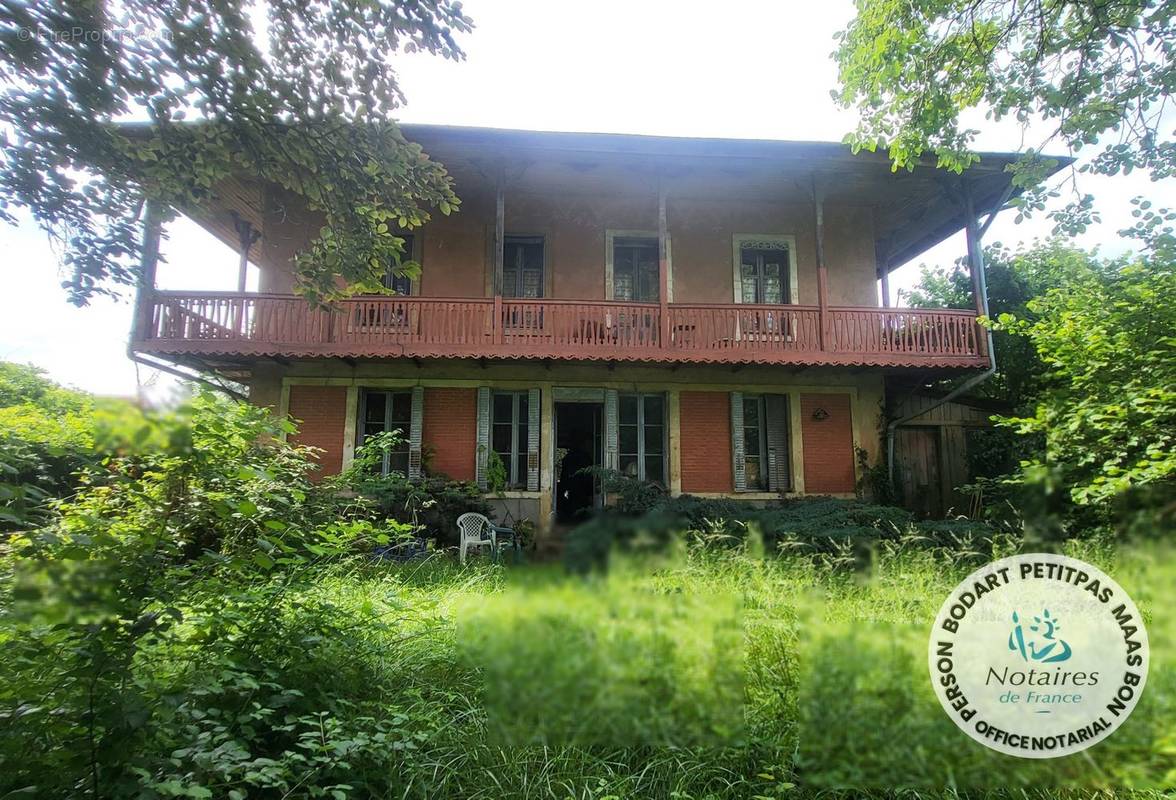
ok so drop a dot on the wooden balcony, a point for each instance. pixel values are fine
(234, 324)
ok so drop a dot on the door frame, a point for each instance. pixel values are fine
(568, 397)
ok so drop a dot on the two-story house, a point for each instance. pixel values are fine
(702, 313)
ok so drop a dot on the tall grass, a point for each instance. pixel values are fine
(632, 685)
(700, 674)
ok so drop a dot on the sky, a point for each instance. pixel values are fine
(745, 69)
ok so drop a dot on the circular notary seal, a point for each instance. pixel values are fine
(1038, 655)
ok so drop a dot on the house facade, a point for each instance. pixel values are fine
(704, 314)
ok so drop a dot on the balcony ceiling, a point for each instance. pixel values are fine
(913, 210)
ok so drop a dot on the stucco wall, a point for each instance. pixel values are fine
(457, 250)
(703, 462)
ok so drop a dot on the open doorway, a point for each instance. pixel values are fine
(579, 438)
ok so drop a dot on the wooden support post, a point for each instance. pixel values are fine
(246, 236)
(246, 232)
(881, 259)
(976, 263)
(499, 244)
(822, 274)
(663, 268)
(149, 260)
(975, 252)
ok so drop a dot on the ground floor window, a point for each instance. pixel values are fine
(755, 443)
(381, 411)
(509, 434)
(761, 442)
(641, 435)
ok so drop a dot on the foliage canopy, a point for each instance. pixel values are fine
(298, 95)
(1094, 71)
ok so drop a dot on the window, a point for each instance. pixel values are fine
(635, 269)
(761, 442)
(522, 266)
(401, 284)
(387, 411)
(641, 437)
(755, 443)
(764, 273)
(509, 434)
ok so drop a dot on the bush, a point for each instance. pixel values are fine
(50, 436)
(431, 505)
(182, 558)
(823, 525)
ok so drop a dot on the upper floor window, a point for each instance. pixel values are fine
(635, 269)
(522, 266)
(401, 284)
(764, 273)
(509, 434)
(641, 437)
(381, 411)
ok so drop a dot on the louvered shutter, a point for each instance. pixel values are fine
(483, 449)
(611, 461)
(415, 423)
(740, 466)
(779, 447)
(533, 440)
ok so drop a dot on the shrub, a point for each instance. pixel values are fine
(431, 505)
(182, 558)
(824, 525)
(50, 436)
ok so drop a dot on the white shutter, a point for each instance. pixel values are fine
(740, 466)
(483, 449)
(611, 460)
(416, 422)
(533, 440)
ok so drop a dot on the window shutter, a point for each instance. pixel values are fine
(483, 449)
(779, 447)
(533, 440)
(416, 420)
(610, 430)
(740, 466)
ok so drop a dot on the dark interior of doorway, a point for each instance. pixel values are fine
(578, 433)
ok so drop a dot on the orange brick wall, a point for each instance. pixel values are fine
(451, 431)
(828, 444)
(706, 442)
(322, 411)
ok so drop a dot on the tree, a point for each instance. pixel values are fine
(1086, 360)
(1015, 278)
(1092, 71)
(304, 101)
(1107, 409)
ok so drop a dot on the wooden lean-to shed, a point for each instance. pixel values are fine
(931, 451)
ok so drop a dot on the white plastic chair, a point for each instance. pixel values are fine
(474, 530)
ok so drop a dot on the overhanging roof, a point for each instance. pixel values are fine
(913, 210)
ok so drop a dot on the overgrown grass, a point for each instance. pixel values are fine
(699, 674)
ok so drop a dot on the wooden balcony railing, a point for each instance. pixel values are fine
(285, 325)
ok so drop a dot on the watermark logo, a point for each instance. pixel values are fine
(1038, 655)
(1049, 649)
